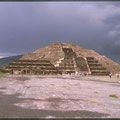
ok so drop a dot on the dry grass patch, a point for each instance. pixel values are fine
(52, 84)
(96, 92)
(113, 95)
(93, 102)
(2, 74)
(64, 86)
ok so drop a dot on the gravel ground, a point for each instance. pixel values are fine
(59, 97)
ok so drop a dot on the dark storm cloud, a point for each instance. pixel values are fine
(26, 26)
(112, 46)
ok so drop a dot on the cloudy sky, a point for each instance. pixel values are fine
(27, 26)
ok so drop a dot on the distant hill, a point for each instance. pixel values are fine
(6, 60)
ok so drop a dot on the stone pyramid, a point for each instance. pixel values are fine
(67, 58)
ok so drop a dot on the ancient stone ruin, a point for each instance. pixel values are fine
(63, 58)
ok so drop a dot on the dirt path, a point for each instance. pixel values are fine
(59, 96)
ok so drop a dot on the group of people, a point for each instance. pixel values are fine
(110, 75)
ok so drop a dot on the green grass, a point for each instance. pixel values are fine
(113, 95)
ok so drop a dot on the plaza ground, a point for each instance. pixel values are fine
(23, 96)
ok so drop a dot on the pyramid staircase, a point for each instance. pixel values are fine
(42, 67)
(66, 64)
(96, 68)
(81, 64)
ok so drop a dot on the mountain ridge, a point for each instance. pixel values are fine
(4, 61)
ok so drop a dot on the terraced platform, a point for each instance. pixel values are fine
(32, 67)
(96, 68)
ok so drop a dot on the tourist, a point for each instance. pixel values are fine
(110, 75)
(85, 74)
(117, 75)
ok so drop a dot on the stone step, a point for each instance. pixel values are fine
(66, 64)
(97, 68)
(93, 61)
(100, 74)
(95, 65)
(67, 72)
(41, 68)
(32, 61)
(97, 72)
(67, 61)
(30, 64)
(63, 67)
(90, 58)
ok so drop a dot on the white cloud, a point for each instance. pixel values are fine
(3, 55)
(113, 33)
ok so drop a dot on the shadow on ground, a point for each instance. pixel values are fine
(9, 110)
